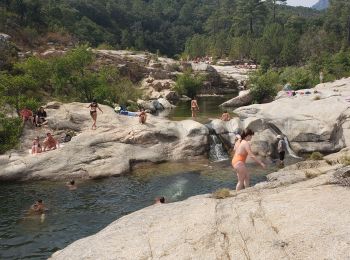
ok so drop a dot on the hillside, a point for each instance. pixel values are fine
(321, 5)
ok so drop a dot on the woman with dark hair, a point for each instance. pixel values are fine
(238, 161)
(93, 112)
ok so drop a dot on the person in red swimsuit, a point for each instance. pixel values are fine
(238, 161)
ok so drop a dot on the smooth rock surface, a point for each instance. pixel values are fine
(118, 143)
(310, 124)
(243, 99)
(305, 220)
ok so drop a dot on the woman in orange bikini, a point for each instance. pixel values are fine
(238, 161)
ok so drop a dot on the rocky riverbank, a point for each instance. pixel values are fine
(302, 212)
(118, 143)
(311, 122)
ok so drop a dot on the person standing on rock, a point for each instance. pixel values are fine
(93, 112)
(238, 161)
(281, 147)
(194, 107)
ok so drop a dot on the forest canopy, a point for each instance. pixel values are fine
(259, 30)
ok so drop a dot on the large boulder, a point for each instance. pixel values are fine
(243, 99)
(305, 220)
(118, 143)
(315, 122)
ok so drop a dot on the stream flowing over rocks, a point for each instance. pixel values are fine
(118, 143)
(311, 122)
(300, 213)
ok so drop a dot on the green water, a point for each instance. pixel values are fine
(95, 204)
(208, 108)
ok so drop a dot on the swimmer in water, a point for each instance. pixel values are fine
(238, 161)
(71, 185)
(159, 200)
(38, 208)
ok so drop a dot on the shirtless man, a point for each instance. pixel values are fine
(225, 116)
(238, 161)
(50, 143)
(194, 107)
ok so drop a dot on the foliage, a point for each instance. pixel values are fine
(222, 193)
(316, 156)
(14, 88)
(298, 77)
(188, 84)
(264, 85)
(10, 131)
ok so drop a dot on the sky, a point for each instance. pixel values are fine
(307, 3)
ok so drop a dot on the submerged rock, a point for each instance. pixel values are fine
(118, 143)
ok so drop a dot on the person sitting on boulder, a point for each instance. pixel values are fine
(142, 116)
(26, 115)
(50, 143)
(36, 147)
(225, 116)
(40, 117)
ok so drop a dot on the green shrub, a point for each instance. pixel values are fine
(299, 78)
(264, 86)
(30, 103)
(222, 193)
(188, 84)
(10, 131)
(316, 156)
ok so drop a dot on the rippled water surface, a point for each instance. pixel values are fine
(95, 204)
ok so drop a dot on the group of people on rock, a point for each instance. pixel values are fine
(49, 143)
(37, 119)
(93, 113)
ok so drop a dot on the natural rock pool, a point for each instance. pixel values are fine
(95, 204)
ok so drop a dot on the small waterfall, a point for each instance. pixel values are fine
(217, 151)
(290, 151)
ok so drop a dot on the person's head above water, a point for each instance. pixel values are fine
(72, 182)
(247, 134)
(160, 200)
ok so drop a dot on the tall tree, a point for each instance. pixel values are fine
(249, 14)
(273, 4)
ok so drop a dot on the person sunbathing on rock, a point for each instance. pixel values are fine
(50, 143)
(142, 116)
(36, 147)
(71, 185)
(225, 116)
